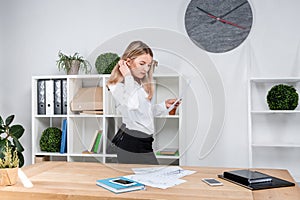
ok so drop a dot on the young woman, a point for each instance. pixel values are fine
(131, 86)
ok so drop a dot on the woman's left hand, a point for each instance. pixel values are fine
(125, 71)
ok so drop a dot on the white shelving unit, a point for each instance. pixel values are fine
(81, 127)
(274, 137)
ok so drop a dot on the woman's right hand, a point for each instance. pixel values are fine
(124, 69)
(169, 103)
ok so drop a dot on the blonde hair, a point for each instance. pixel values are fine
(135, 49)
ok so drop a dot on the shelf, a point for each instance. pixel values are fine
(276, 80)
(167, 157)
(50, 116)
(275, 112)
(81, 127)
(111, 155)
(277, 145)
(50, 77)
(86, 116)
(274, 139)
(94, 115)
(168, 116)
(49, 154)
(86, 155)
(158, 117)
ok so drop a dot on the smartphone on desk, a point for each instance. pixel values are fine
(122, 182)
(212, 181)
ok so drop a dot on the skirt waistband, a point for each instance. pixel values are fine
(136, 133)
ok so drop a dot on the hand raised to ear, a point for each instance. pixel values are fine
(125, 71)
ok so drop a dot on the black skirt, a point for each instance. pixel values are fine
(134, 147)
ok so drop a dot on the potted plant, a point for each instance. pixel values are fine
(282, 97)
(9, 165)
(11, 157)
(72, 63)
(51, 139)
(106, 62)
(11, 134)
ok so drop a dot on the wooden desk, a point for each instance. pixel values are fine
(74, 180)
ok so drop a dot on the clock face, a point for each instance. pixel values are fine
(218, 25)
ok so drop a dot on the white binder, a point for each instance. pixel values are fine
(49, 97)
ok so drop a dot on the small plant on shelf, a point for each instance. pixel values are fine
(51, 139)
(282, 97)
(72, 63)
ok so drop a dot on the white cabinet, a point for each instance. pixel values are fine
(274, 136)
(81, 127)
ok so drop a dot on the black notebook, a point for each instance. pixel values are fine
(254, 180)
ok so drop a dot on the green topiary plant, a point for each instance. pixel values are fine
(51, 139)
(105, 62)
(282, 97)
(11, 134)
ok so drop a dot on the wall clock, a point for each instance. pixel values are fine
(218, 26)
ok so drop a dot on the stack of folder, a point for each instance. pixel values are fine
(52, 96)
(254, 180)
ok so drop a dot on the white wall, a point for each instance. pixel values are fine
(33, 31)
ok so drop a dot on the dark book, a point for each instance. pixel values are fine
(247, 176)
(254, 180)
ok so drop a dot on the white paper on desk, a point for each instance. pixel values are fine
(160, 177)
(164, 171)
(155, 182)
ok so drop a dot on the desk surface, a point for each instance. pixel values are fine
(76, 181)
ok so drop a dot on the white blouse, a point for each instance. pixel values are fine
(137, 110)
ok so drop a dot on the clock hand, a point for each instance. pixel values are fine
(212, 22)
(230, 23)
(209, 14)
(220, 19)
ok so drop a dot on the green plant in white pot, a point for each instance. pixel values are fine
(282, 97)
(72, 63)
